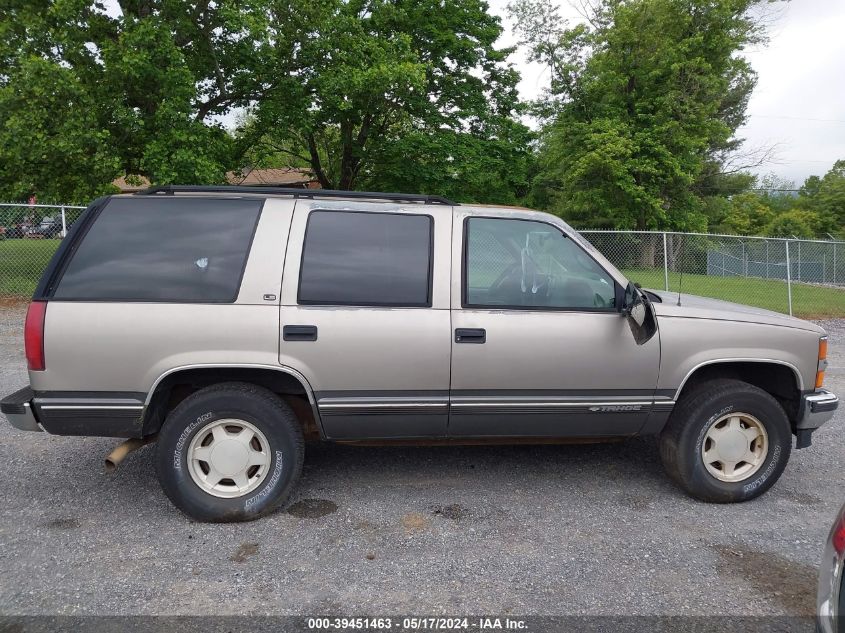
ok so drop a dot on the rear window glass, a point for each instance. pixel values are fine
(179, 250)
(360, 259)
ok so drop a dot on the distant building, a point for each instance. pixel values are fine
(139, 183)
(294, 177)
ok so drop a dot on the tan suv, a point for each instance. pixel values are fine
(233, 323)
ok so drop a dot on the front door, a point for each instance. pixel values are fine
(539, 348)
(365, 316)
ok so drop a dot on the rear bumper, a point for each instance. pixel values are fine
(816, 409)
(17, 408)
(106, 414)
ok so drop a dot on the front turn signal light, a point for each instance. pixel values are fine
(822, 362)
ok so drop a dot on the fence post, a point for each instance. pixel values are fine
(64, 223)
(744, 261)
(788, 280)
(666, 264)
(834, 263)
(799, 260)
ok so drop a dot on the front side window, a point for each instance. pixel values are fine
(366, 259)
(174, 249)
(522, 263)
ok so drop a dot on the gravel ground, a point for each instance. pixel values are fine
(546, 530)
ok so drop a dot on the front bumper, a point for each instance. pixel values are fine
(816, 409)
(17, 408)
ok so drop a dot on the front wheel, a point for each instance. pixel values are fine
(230, 452)
(726, 442)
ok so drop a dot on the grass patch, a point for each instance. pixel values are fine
(808, 301)
(21, 265)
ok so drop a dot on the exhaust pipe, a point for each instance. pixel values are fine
(123, 449)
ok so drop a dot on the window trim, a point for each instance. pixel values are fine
(478, 306)
(429, 285)
(67, 248)
(68, 256)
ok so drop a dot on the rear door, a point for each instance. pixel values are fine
(365, 315)
(539, 347)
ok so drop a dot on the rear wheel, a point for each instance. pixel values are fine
(727, 441)
(230, 452)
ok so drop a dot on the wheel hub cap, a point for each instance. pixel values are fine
(228, 458)
(735, 447)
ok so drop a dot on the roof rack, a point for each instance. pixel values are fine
(296, 193)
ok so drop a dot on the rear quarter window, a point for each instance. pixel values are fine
(178, 250)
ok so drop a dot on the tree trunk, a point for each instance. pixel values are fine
(347, 158)
(316, 165)
(648, 252)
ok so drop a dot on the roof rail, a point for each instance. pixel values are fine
(296, 193)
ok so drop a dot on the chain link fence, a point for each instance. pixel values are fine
(29, 235)
(801, 277)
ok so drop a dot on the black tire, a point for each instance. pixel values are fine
(681, 440)
(243, 401)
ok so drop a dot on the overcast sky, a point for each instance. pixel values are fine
(799, 102)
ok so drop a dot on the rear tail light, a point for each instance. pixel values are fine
(838, 537)
(33, 335)
(822, 363)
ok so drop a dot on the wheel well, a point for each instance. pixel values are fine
(175, 387)
(777, 380)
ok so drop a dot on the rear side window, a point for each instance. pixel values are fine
(366, 259)
(178, 250)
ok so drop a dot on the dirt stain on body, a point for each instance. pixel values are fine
(244, 551)
(789, 583)
(312, 508)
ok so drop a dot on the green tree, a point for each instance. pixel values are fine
(147, 86)
(50, 141)
(461, 166)
(747, 214)
(386, 92)
(827, 198)
(644, 103)
(794, 223)
(331, 84)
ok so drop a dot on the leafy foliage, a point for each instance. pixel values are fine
(643, 106)
(826, 197)
(138, 89)
(409, 95)
(50, 142)
(341, 86)
(818, 209)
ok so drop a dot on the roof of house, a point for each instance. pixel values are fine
(125, 187)
(282, 177)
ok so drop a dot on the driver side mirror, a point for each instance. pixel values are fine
(640, 314)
